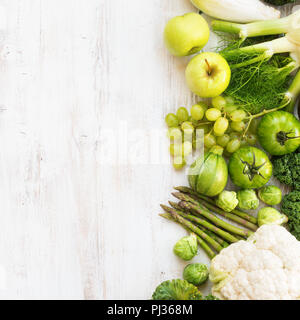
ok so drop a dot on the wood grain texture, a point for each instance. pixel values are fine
(78, 213)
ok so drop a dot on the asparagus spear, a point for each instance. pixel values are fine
(201, 242)
(239, 213)
(193, 228)
(227, 215)
(189, 203)
(230, 216)
(222, 242)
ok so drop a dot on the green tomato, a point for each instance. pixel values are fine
(196, 273)
(187, 247)
(247, 199)
(270, 195)
(250, 168)
(279, 133)
(270, 215)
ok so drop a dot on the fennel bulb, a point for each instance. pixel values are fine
(237, 10)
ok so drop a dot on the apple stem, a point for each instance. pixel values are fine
(209, 68)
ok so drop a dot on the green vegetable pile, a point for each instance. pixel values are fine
(251, 87)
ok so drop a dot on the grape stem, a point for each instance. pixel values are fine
(261, 114)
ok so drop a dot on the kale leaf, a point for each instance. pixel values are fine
(291, 207)
(287, 169)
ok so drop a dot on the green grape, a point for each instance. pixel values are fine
(238, 126)
(174, 133)
(213, 114)
(187, 148)
(198, 110)
(251, 139)
(187, 125)
(253, 125)
(219, 103)
(209, 140)
(244, 143)
(234, 135)
(233, 145)
(182, 114)
(179, 162)
(220, 126)
(229, 101)
(171, 120)
(238, 115)
(223, 140)
(230, 108)
(175, 149)
(217, 150)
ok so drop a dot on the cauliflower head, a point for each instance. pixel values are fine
(265, 267)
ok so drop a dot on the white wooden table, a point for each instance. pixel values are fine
(78, 210)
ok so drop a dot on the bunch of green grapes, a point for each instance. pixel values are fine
(225, 126)
(181, 132)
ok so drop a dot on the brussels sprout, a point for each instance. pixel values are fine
(247, 199)
(270, 215)
(270, 195)
(227, 200)
(196, 273)
(187, 247)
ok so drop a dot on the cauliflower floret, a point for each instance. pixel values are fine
(266, 267)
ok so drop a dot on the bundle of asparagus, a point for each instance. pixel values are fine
(213, 234)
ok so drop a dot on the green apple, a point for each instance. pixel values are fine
(186, 35)
(208, 74)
